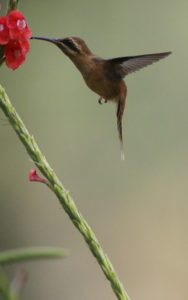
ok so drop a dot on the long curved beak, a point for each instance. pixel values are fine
(53, 41)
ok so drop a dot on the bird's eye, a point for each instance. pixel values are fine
(70, 44)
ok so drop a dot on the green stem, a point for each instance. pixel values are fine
(4, 285)
(17, 255)
(2, 60)
(10, 256)
(63, 195)
(5, 288)
(12, 4)
(1, 52)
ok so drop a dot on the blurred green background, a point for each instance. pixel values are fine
(137, 208)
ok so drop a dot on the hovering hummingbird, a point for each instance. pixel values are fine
(104, 76)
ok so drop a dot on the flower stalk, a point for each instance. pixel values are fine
(11, 291)
(65, 199)
(4, 285)
(12, 4)
(30, 253)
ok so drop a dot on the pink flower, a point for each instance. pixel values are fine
(34, 177)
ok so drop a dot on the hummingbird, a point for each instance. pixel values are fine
(104, 76)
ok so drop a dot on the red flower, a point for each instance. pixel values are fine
(4, 31)
(15, 53)
(17, 25)
(14, 34)
(34, 177)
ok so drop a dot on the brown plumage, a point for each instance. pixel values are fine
(104, 76)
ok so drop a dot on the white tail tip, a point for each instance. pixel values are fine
(122, 155)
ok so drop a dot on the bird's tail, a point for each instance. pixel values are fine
(120, 110)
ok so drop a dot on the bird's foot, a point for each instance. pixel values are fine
(100, 100)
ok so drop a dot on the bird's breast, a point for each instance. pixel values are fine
(97, 78)
(101, 85)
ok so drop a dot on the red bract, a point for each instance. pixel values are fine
(17, 25)
(4, 31)
(15, 53)
(14, 34)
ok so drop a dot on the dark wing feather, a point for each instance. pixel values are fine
(122, 66)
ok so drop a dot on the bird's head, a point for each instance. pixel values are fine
(71, 46)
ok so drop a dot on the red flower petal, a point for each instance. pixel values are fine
(24, 46)
(34, 177)
(17, 25)
(4, 31)
(15, 54)
(13, 16)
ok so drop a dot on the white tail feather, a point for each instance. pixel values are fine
(122, 151)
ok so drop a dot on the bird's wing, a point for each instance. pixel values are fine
(122, 66)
